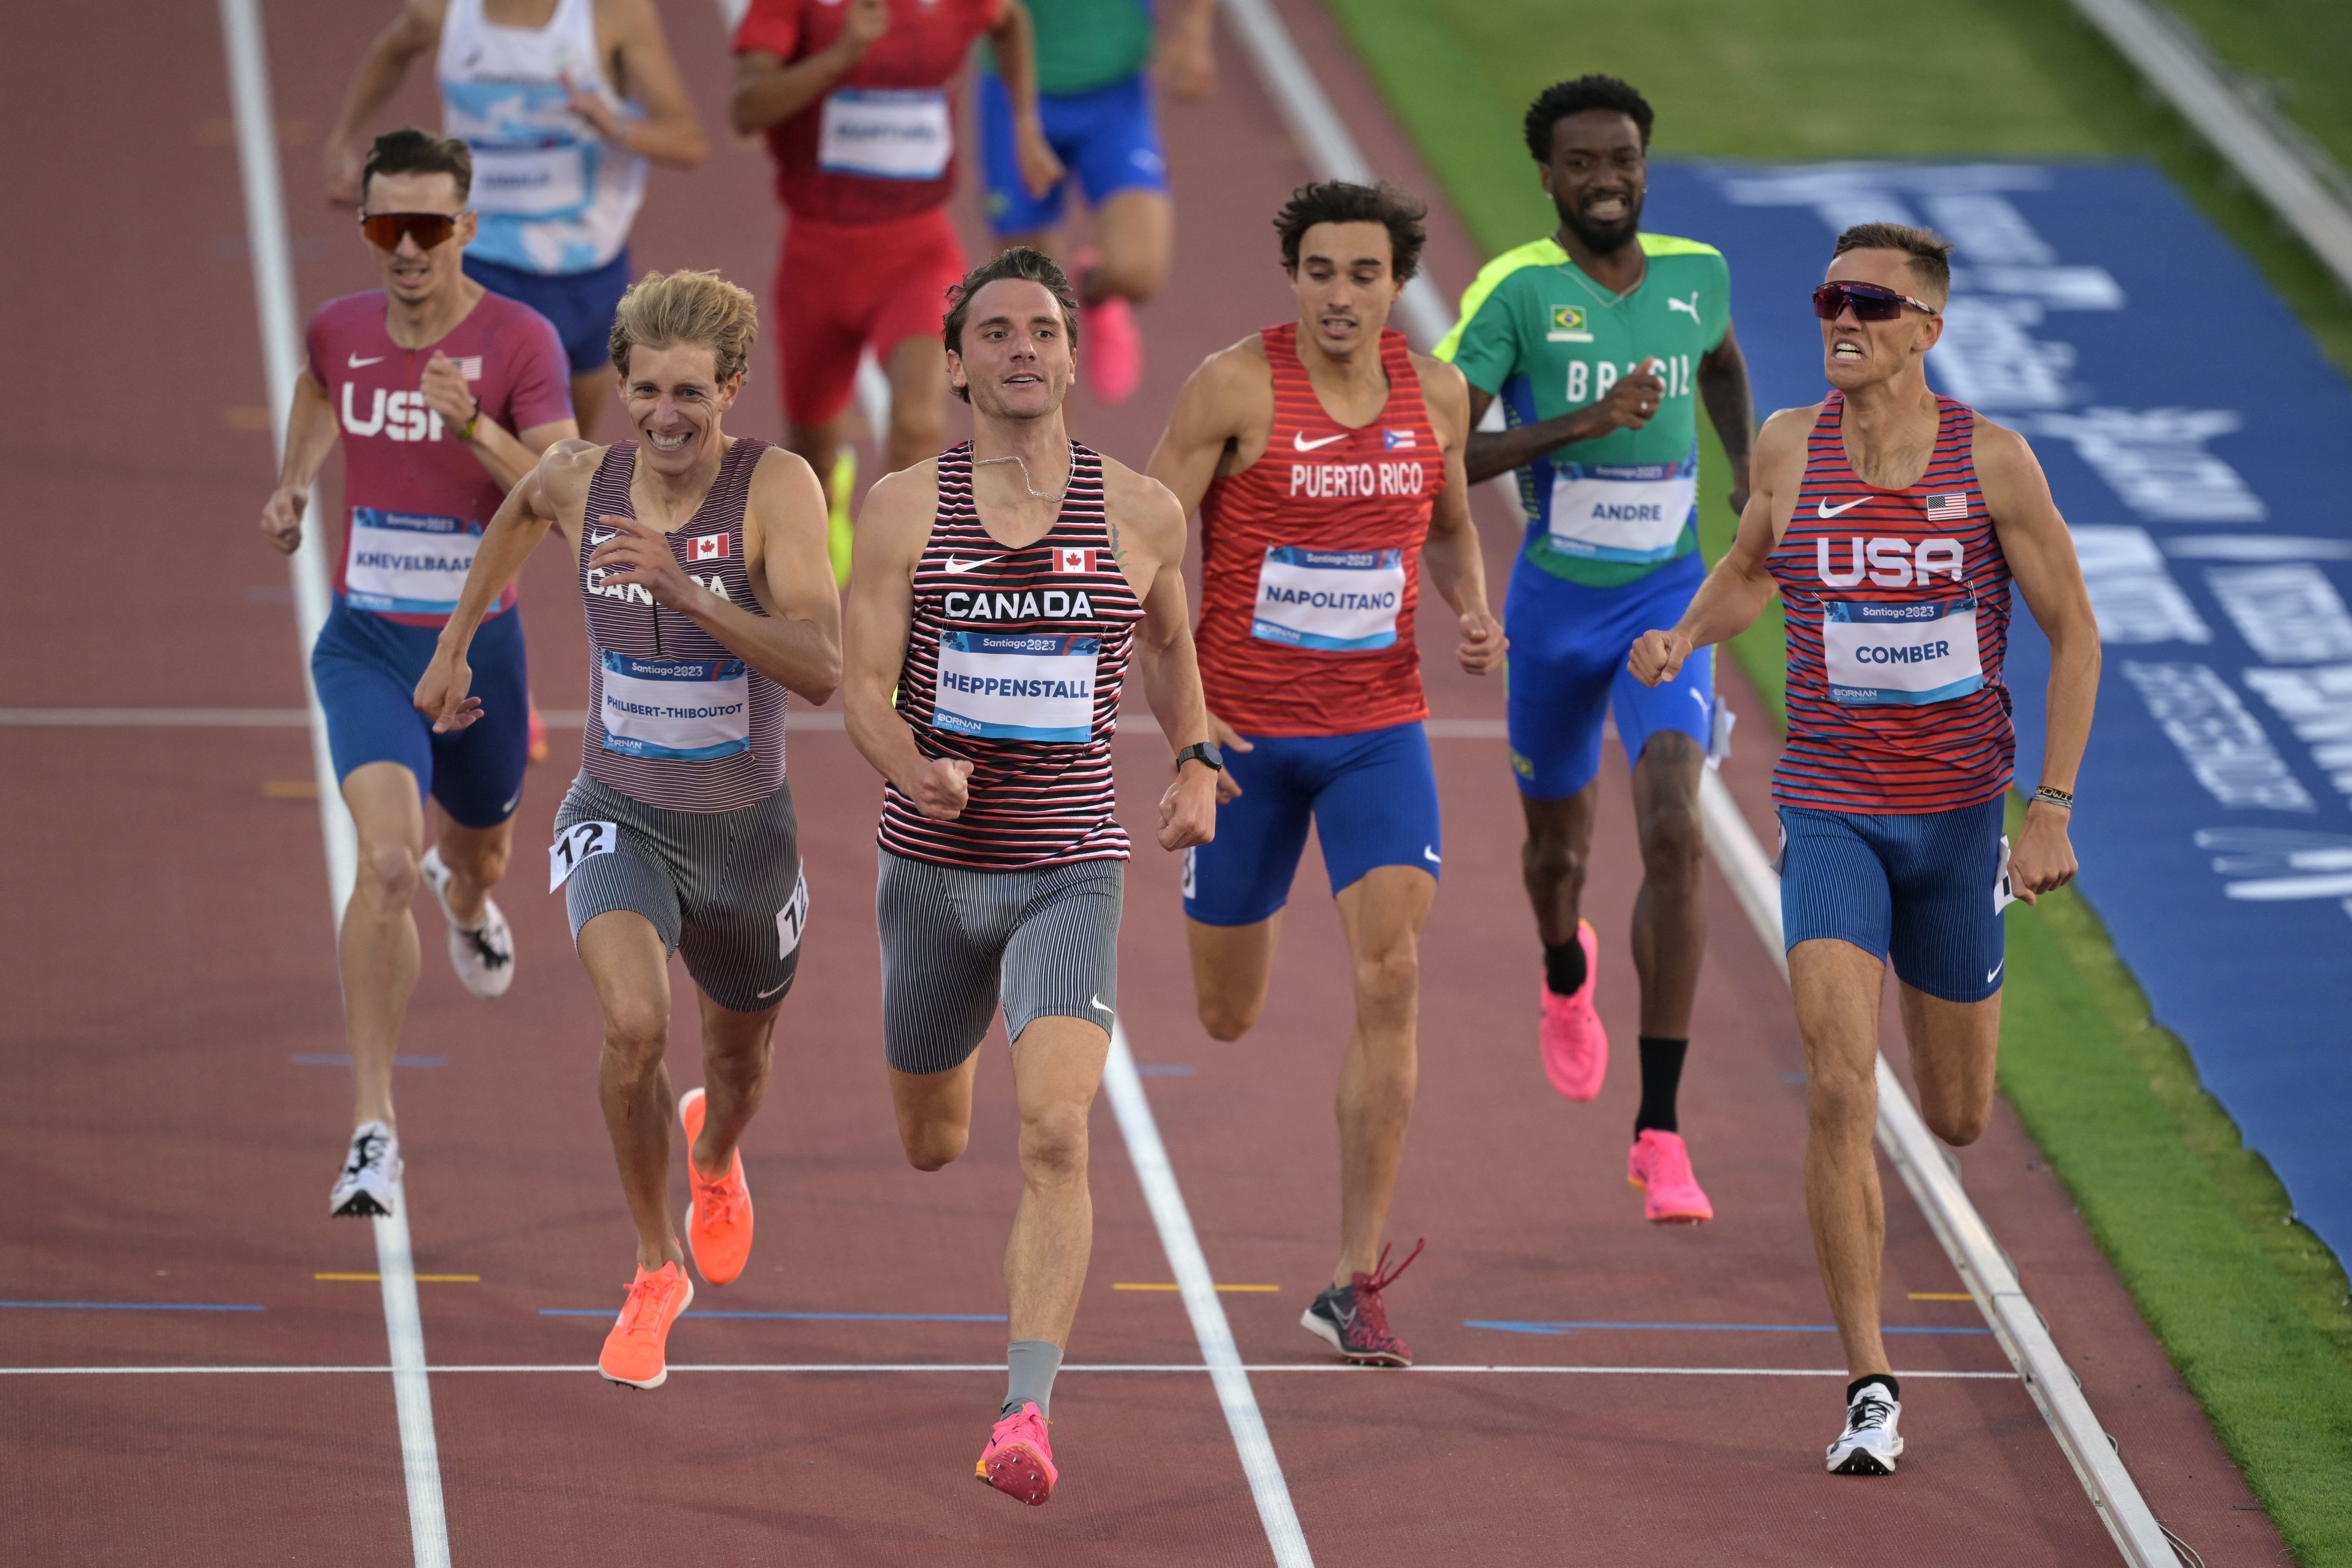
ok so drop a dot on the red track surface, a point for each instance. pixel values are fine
(168, 954)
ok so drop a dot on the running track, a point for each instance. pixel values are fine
(169, 960)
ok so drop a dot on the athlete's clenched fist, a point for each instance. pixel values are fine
(1483, 643)
(940, 791)
(1658, 656)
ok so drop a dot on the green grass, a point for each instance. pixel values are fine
(2252, 1308)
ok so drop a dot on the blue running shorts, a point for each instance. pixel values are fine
(1918, 888)
(1569, 646)
(580, 303)
(1373, 801)
(366, 669)
(1107, 138)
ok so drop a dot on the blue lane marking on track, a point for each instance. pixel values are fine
(138, 1306)
(329, 1059)
(810, 1317)
(2193, 436)
(1511, 1326)
(1164, 1070)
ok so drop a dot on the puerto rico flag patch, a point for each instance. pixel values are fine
(1392, 439)
(1949, 508)
(1075, 560)
(709, 546)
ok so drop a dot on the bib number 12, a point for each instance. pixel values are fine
(577, 843)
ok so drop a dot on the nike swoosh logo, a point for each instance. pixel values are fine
(1830, 511)
(960, 566)
(513, 802)
(1994, 972)
(1098, 1004)
(771, 990)
(1298, 439)
(358, 364)
(1431, 854)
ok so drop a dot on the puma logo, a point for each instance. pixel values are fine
(1689, 307)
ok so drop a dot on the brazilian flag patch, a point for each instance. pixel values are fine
(1567, 317)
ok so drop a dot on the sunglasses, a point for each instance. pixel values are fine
(383, 229)
(1867, 300)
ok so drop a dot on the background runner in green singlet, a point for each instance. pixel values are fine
(1600, 340)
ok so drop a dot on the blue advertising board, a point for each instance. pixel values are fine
(2200, 448)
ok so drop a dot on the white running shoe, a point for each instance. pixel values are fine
(371, 1170)
(1870, 1445)
(484, 956)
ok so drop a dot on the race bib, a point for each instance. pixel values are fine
(1622, 511)
(686, 710)
(404, 563)
(1901, 651)
(577, 844)
(1017, 686)
(533, 179)
(886, 133)
(1345, 599)
(793, 918)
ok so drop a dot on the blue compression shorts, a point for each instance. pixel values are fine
(1569, 646)
(1918, 888)
(1107, 137)
(366, 669)
(580, 303)
(1373, 801)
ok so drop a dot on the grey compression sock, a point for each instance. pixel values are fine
(1031, 1365)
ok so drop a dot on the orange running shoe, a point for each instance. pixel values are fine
(535, 732)
(1018, 1460)
(718, 1220)
(635, 1350)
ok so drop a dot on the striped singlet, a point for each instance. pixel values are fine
(675, 720)
(1013, 663)
(1310, 560)
(1898, 607)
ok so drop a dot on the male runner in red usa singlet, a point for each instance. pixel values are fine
(1893, 522)
(1326, 459)
(999, 591)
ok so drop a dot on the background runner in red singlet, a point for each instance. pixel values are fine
(703, 566)
(1892, 521)
(441, 396)
(855, 98)
(1325, 456)
(998, 592)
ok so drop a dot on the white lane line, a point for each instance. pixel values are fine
(1199, 1289)
(281, 360)
(1423, 1370)
(289, 718)
(1935, 1185)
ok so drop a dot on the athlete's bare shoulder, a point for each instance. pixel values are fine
(1232, 382)
(899, 510)
(565, 469)
(1447, 392)
(1141, 508)
(780, 466)
(1991, 442)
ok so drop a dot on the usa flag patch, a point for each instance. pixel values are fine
(1076, 560)
(469, 367)
(709, 546)
(1392, 439)
(1949, 508)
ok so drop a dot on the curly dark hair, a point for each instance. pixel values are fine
(1021, 262)
(1562, 99)
(409, 151)
(1341, 202)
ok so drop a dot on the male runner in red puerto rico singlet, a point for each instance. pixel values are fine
(1893, 522)
(441, 395)
(702, 568)
(999, 591)
(1325, 457)
(854, 97)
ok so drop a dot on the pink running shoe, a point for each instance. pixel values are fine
(1108, 338)
(1018, 1460)
(1660, 1165)
(1575, 1047)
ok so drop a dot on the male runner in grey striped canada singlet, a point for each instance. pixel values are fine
(709, 592)
(997, 592)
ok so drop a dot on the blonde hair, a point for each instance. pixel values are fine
(687, 307)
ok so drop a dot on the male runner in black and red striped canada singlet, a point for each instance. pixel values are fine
(709, 593)
(1893, 522)
(998, 591)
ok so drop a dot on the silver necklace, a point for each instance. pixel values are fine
(1034, 494)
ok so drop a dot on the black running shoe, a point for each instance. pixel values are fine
(1352, 1320)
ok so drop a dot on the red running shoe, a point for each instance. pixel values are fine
(1575, 1047)
(1660, 1165)
(1111, 341)
(718, 1220)
(1352, 1320)
(1018, 1460)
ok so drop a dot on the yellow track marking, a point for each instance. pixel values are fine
(1941, 1296)
(289, 789)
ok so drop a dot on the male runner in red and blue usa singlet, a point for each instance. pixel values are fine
(1893, 522)
(1326, 458)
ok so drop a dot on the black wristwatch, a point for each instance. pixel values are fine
(1205, 752)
